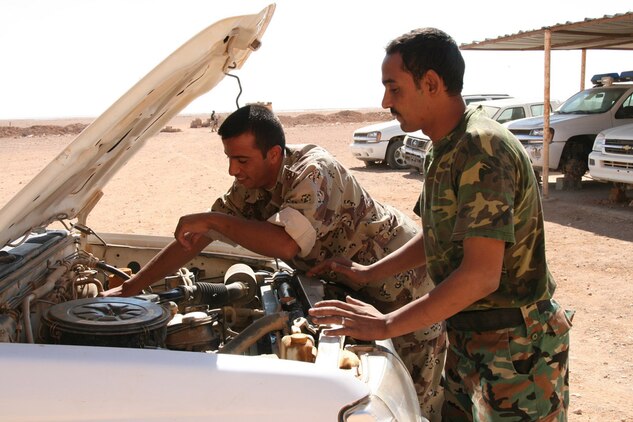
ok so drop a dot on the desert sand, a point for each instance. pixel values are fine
(589, 240)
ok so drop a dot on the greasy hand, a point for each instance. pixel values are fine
(352, 318)
(352, 274)
(191, 228)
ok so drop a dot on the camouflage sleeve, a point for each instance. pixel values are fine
(314, 193)
(232, 202)
(485, 185)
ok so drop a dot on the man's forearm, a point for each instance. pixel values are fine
(258, 236)
(165, 263)
(477, 277)
(410, 255)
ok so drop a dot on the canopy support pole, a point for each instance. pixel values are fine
(547, 137)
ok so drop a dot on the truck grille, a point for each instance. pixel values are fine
(422, 144)
(618, 146)
(618, 165)
(518, 132)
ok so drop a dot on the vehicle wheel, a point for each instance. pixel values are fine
(574, 163)
(573, 170)
(395, 155)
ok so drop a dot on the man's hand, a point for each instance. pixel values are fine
(353, 275)
(113, 292)
(352, 318)
(124, 290)
(191, 228)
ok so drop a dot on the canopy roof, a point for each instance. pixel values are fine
(610, 32)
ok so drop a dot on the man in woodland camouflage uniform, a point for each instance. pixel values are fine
(483, 245)
(299, 204)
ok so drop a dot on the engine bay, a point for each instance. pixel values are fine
(223, 303)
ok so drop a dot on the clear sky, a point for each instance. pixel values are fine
(74, 58)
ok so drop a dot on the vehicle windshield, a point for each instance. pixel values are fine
(592, 101)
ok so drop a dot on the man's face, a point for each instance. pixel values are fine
(404, 99)
(246, 163)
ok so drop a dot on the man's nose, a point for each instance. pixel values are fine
(386, 100)
(233, 167)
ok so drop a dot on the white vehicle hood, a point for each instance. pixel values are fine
(537, 122)
(378, 126)
(217, 386)
(620, 132)
(74, 180)
(391, 124)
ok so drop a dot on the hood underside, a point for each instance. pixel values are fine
(73, 182)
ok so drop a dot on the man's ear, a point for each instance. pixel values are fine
(275, 154)
(432, 82)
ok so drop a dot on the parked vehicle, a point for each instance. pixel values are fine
(611, 159)
(417, 145)
(575, 124)
(228, 337)
(382, 142)
(506, 110)
(472, 98)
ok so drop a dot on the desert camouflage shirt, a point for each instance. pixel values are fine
(324, 209)
(479, 182)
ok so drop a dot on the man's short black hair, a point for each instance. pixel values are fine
(430, 48)
(258, 120)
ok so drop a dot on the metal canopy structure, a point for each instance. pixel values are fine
(610, 32)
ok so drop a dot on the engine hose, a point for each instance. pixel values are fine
(217, 295)
(112, 270)
(251, 334)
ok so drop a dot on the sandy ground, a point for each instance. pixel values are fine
(589, 241)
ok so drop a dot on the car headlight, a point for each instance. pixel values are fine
(392, 394)
(373, 136)
(598, 144)
(537, 132)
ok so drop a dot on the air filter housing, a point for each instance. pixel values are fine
(111, 322)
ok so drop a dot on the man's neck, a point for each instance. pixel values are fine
(450, 111)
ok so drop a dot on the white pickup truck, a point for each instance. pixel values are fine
(576, 123)
(612, 157)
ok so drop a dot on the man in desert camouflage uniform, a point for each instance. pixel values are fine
(483, 245)
(299, 204)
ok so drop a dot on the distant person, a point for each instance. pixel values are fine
(213, 122)
(483, 245)
(298, 203)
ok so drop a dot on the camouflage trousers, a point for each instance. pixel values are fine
(511, 374)
(423, 353)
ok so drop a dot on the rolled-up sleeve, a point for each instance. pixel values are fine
(297, 226)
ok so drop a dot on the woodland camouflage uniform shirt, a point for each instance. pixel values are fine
(479, 182)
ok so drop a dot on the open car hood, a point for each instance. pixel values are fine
(73, 182)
